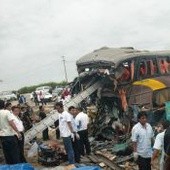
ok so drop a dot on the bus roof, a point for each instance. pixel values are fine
(113, 56)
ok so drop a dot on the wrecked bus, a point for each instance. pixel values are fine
(131, 80)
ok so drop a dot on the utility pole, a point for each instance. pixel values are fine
(65, 70)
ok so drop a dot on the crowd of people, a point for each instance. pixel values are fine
(72, 128)
(15, 120)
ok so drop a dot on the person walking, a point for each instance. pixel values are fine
(9, 135)
(82, 121)
(42, 115)
(66, 131)
(142, 136)
(19, 124)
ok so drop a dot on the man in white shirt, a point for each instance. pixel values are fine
(75, 142)
(8, 136)
(159, 144)
(142, 136)
(66, 131)
(82, 121)
(19, 124)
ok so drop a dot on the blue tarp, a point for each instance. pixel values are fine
(24, 166)
(88, 168)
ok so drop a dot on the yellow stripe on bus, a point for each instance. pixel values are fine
(151, 83)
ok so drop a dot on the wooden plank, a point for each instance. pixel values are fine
(109, 163)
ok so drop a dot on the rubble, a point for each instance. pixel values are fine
(112, 107)
(110, 65)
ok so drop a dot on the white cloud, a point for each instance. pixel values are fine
(34, 34)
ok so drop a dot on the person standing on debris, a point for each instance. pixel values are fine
(42, 115)
(9, 135)
(142, 136)
(18, 123)
(159, 144)
(66, 131)
(75, 142)
(82, 121)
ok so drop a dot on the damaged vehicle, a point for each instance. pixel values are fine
(131, 80)
(113, 85)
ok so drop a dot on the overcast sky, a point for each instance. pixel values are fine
(34, 34)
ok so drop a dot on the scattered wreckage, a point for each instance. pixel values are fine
(132, 80)
(114, 84)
